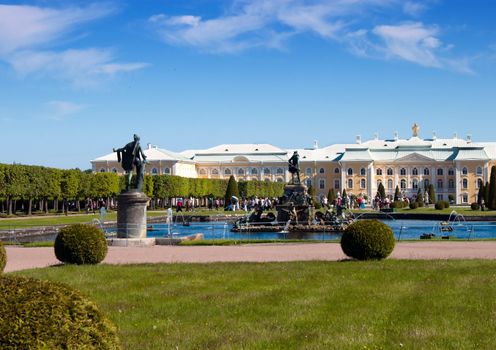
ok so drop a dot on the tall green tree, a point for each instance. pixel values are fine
(486, 194)
(232, 190)
(432, 194)
(397, 194)
(381, 191)
(492, 189)
(331, 196)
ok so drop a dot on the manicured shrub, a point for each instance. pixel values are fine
(440, 205)
(368, 240)
(38, 314)
(475, 206)
(3, 257)
(80, 244)
(414, 205)
(398, 204)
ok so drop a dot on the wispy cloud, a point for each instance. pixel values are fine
(30, 39)
(60, 110)
(270, 23)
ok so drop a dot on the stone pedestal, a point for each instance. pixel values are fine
(131, 214)
(295, 205)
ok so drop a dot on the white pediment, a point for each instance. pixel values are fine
(414, 158)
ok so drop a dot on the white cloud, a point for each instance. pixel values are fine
(29, 37)
(413, 8)
(59, 110)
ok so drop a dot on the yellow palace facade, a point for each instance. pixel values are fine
(455, 166)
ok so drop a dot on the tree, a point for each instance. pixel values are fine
(492, 189)
(313, 194)
(432, 194)
(420, 198)
(486, 194)
(397, 194)
(232, 190)
(381, 191)
(480, 196)
(331, 196)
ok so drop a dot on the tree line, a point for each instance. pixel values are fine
(41, 188)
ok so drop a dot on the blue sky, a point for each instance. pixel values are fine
(78, 78)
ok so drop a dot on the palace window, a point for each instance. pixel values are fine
(321, 170)
(308, 171)
(363, 172)
(403, 184)
(350, 183)
(479, 171)
(267, 171)
(465, 198)
(465, 183)
(227, 171)
(215, 172)
(451, 171)
(362, 183)
(426, 183)
(167, 171)
(350, 171)
(390, 184)
(102, 170)
(154, 171)
(321, 184)
(415, 184)
(203, 172)
(241, 171)
(451, 184)
(378, 172)
(464, 171)
(114, 170)
(254, 171)
(336, 184)
(440, 172)
(440, 197)
(336, 171)
(280, 179)
(402, 171)
(308, 182)
(414, 171)
(439, 183)
(390, 171)
(279, 171)
(426, 171)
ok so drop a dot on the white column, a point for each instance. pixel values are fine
(457, 183)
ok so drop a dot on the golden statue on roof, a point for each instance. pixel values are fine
(415, 130)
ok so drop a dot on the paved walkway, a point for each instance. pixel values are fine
(19, 258)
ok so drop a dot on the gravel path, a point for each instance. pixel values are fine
(19, 258)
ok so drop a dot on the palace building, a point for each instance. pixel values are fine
(456, 167)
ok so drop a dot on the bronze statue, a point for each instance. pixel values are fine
(131, 157)
(294, 168)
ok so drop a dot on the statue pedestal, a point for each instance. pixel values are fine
(131, 214)
(295, 205)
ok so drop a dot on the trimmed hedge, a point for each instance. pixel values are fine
(3, 257)
(398, 205)
(38, 314)
(80, 244)
(440, 205)
(413, 205)
(475, 206)
(368, 240)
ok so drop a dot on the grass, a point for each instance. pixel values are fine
(298, 305)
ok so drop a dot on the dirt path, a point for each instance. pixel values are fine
(19, 258)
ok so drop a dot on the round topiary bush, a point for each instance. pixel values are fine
(38, 314)
(475, 206)
(439, 206)
(368, 240)
(80, 244)
(413, 205)
(3, 257)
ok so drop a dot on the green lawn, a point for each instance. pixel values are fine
(298, 305)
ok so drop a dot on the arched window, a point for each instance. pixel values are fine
(308, 182)
(254, 171)
(350, 171)
(465, 183)
(465, 198)
(479, 171)
(414, 171)
(336, 184)
(227, 171)
(308, 171)
(203, 172)
(451, 171)
(167, 171)
(336, 171)
(426, 183)
(464, 171)
(321, 171)
(102, 170)
(390, 171)
(279, 171)
(363, 172)
(321, 184)
(378, 172)
(114, 170)
(350, 183)
(440, 172)
(414, 184)
(440, 183)
(479, 183)
(241, 171)
(215, 172)
(267, 171)
(362, 183)
(154, 171)
(390, 184)
(426, 171)
(403, 184)
(402, 171)
(451, 183)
